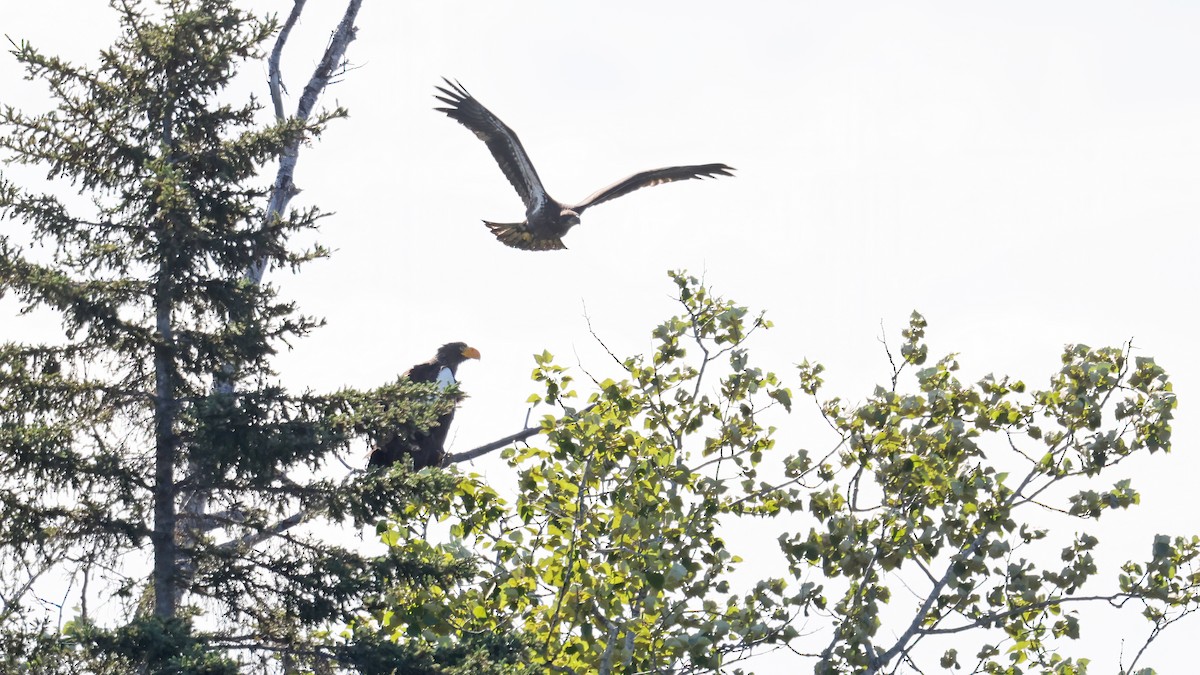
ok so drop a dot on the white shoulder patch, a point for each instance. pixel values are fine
(445, 378)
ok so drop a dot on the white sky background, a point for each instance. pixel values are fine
(1022, 174)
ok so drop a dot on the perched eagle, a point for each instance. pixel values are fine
(546, 220)
(427, 449)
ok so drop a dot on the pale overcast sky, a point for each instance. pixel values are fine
(1024, 174)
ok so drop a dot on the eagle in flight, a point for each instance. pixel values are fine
(429, 448)
(546, 219)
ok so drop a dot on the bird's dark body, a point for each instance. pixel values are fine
(428, 449)
(547, 220)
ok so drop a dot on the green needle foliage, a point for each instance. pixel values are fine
(152, 474)
(613, 555)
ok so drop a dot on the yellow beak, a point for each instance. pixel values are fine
(470, 353)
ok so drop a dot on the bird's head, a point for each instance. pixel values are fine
(568, 217)
(454, 353)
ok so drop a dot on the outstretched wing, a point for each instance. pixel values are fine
(654, 177)
(501, 140)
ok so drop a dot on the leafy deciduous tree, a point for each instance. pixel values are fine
(611, 557)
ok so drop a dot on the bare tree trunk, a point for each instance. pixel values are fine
(166, 446)
(195, 504)
(166, 550)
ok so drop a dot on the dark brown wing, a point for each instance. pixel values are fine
(424, 372)
(654, 177)
(426, 449)
(501, 140)
(431, 447)
(389, 452)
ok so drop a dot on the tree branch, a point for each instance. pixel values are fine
(1154, 633)
(915, 627)
(266, 533)
(276, 73)
(529, 432)
(457, 457)
(1117, 600)
(284, 189)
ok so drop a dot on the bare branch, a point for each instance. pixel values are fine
(195, 500)
(457, 457)
(524, 434)
(276, 74)
(1154, 633)
(887, 350)
(256, 538)
(283, 188)
(11, 604)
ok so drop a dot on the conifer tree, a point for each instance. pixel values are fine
(149, 462)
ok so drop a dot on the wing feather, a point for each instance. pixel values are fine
(423, 372)
(501, 141)
(653, 177)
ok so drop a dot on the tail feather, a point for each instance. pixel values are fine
(517, 235)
